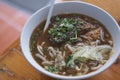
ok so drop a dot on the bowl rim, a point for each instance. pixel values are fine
(69, 77)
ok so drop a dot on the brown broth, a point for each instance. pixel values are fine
(38, 38)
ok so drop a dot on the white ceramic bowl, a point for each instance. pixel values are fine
(71, 7)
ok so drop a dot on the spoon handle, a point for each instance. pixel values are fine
(49, 15)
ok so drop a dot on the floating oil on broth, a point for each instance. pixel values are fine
(74, 44)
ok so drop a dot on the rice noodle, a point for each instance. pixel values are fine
(77, 68)
(110, 42)
(40, 49)
(103, 61)
(42, 44)
(40, 57)
(47, 62)
(80, 44)
(97, 67)
(52, 50)
(68, 46)
(64, 73)
(46, 67)
(64, 54)
(86, 69)
(79, 74)
(83, 36)
(97, 42)
(102, 35)
(51, 54)
(87, 38)
(93, 63)
(59, 60)
(58, 51)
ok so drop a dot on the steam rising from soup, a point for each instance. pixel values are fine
(74, 44)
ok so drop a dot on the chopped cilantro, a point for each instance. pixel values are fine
(57, 18)
(53, 69)
(64, 30)
(69, 61)
(73, 39)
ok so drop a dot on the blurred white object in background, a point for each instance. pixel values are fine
(29, 6)
(33, 5)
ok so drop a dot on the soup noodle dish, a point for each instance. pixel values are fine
(73, 45)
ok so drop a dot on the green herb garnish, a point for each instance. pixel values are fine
(53, 69)
(81, 22)
(69, 61)
(57, 18)
(64, 30)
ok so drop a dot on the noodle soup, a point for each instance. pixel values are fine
(74, 44)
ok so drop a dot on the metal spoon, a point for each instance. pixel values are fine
(49, 15)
